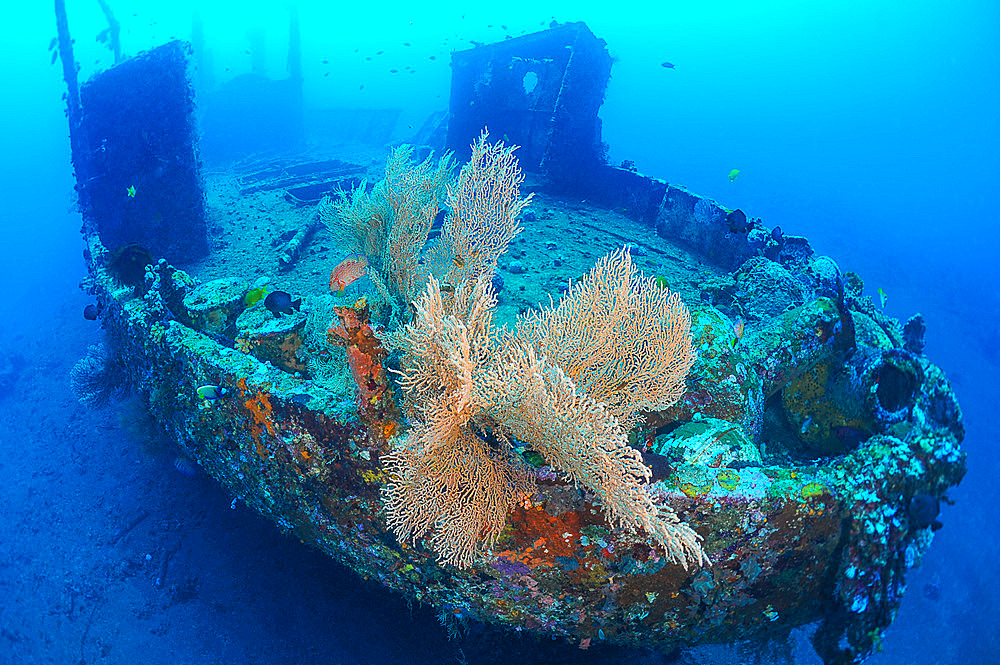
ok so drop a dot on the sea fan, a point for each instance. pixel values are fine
(705, 212)
(97, 377)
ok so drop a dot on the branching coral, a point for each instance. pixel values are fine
(97, 377)
(536, 402)
(392, 221)
(485, 205)
(460, 490)
(451, 476)
(569, 382)
(471, 389)
(623, 340)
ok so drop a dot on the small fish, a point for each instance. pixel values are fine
(882, 297)
(733, 174)
(279, 302)
(737, 221)
(347, 271)
(130, 191)
(254, 296)
(393, 71)
(432, 57)
(212, 393)
(662, 283)
(327, 62)
(667, 65)
(924, 510)
(458, 261)
(738, 328)
(91, 312)
(659, 465)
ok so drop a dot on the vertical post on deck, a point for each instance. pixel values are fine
(74, 111)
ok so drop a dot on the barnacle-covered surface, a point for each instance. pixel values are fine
(806, 428)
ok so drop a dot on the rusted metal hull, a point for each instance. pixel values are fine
(781, 539)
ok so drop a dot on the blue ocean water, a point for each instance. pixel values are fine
(871, 128)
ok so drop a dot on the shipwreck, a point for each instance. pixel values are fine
(793, 478)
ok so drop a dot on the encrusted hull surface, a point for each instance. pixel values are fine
(792, 539)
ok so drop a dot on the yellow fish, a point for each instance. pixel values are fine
(255, 296)
(733, 174)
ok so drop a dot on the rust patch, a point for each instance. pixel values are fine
(365, 354)
(258, 403)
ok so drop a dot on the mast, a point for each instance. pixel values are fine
(74, 111)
